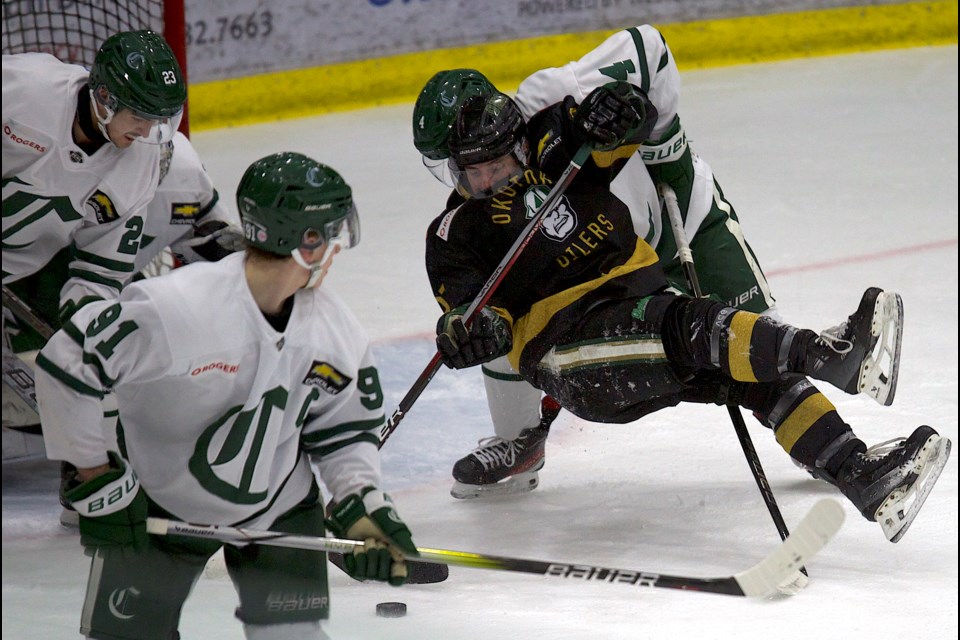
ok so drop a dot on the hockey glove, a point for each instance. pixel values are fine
(488, 337)
(370, 517)
(112, 507)
(212, 240)
(615, 114)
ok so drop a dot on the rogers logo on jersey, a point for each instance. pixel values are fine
(7, 131)
(216, 366)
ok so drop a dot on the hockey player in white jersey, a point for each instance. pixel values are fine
(728, 269)
(186, 214)
(231, 377)
(81, 159)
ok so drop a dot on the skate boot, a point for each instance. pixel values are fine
(862, 354)
(889, 482)
(504, 467)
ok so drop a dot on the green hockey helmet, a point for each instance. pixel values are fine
(138, 71)
(438, 104)
(288, 201)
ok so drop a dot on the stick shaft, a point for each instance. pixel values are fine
(572, 572)
(24, 313)
(762, 579)
(490, 286)
(746, 443)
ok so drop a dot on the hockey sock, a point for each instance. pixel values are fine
(703, 334)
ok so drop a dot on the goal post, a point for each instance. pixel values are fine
(73, 30)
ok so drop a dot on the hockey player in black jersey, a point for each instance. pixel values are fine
(586, 314)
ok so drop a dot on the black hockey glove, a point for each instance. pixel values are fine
(615, 114)
(488, 337)
(371, 517)
(112, 507)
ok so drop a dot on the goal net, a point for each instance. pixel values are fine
(73, 30)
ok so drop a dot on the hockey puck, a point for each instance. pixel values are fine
(391, 609)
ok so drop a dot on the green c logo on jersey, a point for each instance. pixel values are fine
(231, 447)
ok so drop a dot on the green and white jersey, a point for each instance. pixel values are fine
(638, 55)
(220, 413)
(54, 194)
(726, 264)
(185, 197)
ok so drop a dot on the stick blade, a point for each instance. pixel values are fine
(417, 572)
(813, 533)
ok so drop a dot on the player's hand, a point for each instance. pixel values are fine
(487, 337)
(615, 114)
(111, 506)
(371, 517)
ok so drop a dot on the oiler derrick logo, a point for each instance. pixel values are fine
(327, 377)
(560, 222)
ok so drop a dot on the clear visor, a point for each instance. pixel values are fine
(344, 233)
(152, 129)
(440, 171)
(485, 179)
(161, 129)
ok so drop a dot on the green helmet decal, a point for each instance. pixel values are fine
(436, 108)
(140, 72)
(287, 201)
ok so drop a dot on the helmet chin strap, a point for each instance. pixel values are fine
(101, 121)
(315, 269)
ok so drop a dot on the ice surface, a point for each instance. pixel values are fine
(843, 171)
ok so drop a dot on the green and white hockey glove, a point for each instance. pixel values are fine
(112, 507)
(371, 517)
(615, 114)
(488, 337)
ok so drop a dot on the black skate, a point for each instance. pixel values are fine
(862, 354)
(504, 467)
(889, 482)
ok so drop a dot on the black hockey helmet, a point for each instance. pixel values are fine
(488, 128)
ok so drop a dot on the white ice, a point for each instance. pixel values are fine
(843, 171)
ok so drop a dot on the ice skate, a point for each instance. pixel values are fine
(862, 354)
(890, 481)
(505, 467)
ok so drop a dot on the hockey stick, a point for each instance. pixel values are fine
(17, 374)
(429, 573)
(759, 581)
(746, 443)
(553, 197)
(24, 313)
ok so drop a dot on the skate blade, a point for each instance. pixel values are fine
(880, 370)
(898, 511)
(516, 484)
